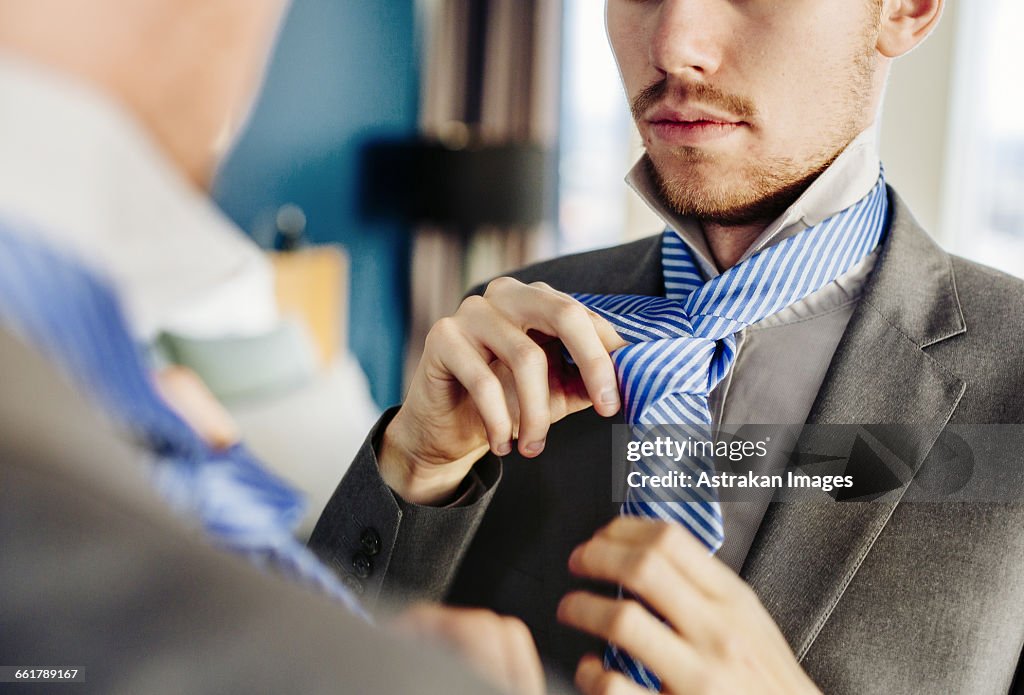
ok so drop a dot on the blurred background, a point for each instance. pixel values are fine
(442, 142)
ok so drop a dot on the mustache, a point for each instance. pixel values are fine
(649, 97)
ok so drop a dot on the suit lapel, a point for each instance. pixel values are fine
(807, 552)
(641, 273)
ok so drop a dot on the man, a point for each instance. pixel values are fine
(125, 113)
(192, 282)
(792, 286)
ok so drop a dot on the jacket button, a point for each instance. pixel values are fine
(361, 565)
(352, 584)
(370, 541)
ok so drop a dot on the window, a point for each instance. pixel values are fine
(594, 137)
(985, 206)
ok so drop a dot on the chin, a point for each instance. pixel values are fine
(702, 188)
(728, 190)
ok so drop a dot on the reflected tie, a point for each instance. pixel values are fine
(73, 318)
(682, 345)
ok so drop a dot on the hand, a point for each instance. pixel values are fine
(499, 649)
(492, 373)
(187, 395)
(716, 636)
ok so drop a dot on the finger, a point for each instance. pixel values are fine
(628, 625)
(606, 332)
(526, 673)
(419, 620)
(463, 360)
(687, 554)
(593, 679)
(651, 577)
(592, 360)
(589, 339)
(186, 394)
(527, 361)
(558, 315)
(477, 636)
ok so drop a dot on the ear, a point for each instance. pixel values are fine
(906, 23)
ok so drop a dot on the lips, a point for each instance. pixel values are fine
(691, 126)
(664, 114)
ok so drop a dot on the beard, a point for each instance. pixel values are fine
(765, 190)
(755, 190)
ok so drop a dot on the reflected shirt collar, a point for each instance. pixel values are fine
(80, 170)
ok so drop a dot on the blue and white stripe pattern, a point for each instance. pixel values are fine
(683, 344)
(74, 319)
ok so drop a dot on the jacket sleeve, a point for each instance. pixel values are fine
(383, 546)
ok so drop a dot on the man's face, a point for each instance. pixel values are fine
(741, 103)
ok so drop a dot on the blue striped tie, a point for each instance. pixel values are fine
(73, 318)
(683, 344)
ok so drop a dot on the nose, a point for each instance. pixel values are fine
(684, 39)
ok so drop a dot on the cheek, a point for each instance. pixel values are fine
(799, 81)
(628, 45)
(815, 59)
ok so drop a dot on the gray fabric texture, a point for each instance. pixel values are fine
(891, 595)
(96, 574)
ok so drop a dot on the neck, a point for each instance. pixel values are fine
(729, 243)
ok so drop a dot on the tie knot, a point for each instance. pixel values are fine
(684, 343)
(651, 372)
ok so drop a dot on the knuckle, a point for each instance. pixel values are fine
(644, 571)
(473, 303)
(480, 627)
(518, 630)
(726, 644)
(733, 648)
(570, 313)
(478, 618)
(500, 285)
(666, 538)
(623, 619)
(527, 354)
(484, 383)
(445, 329)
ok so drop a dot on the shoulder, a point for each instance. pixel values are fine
(622, 269)
(989, 354)
(989, 297)
(49, 416)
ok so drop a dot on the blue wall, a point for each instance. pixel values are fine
(344, 72)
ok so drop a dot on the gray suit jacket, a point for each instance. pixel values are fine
(898, 592)
(96, 574)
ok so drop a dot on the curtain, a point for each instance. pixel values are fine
(491, 75)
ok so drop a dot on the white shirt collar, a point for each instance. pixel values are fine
(848, 179)
(78, 170)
